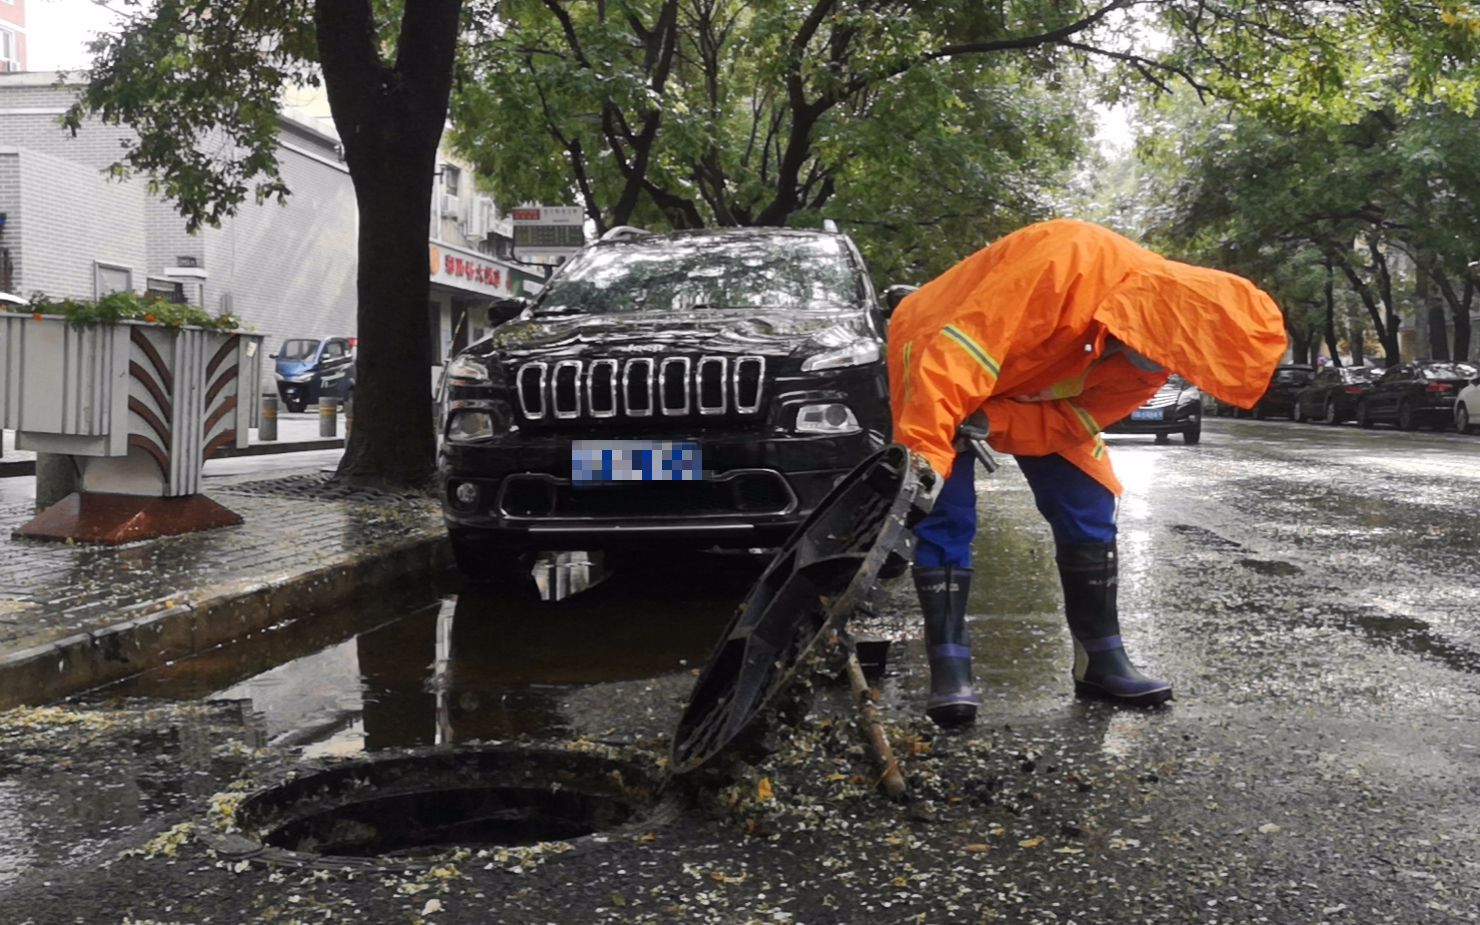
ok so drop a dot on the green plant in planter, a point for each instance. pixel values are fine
(128, 306)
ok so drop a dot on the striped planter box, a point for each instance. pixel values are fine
(142, 406)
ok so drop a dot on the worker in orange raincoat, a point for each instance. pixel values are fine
(1056, 331)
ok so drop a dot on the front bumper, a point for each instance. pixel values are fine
(1173, 421)
(755, 491)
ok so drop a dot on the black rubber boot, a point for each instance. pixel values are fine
(1101, 668)
(953, 701)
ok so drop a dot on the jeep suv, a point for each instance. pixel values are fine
(699, 388)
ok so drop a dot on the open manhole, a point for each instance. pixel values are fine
(422, 805)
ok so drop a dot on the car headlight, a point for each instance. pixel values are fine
(830, 418)
(483, 421)
(468, 370)
(855, 354)
(301, 377)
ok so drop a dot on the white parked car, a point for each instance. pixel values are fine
(1467, 407)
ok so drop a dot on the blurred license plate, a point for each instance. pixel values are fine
(1153, 414)
(596, 461)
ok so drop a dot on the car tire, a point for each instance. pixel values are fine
(1192, 435)
(1296, 414)
(1163, 438)
(295, 406)
(1329, 415)
(1406, 419)
(1462, 418)
(1257, 413)
(1364, 416)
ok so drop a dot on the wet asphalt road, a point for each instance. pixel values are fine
(1314, 594)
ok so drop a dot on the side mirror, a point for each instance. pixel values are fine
(506, 310)
(272, 356)
(896, 294)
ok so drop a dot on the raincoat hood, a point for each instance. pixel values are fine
(1218, 330)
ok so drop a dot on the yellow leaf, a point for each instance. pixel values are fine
(763, 791)
(649, 837)
(834, 778)
(978, 848)
(1033, 842)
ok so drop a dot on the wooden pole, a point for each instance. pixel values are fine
(891, 780)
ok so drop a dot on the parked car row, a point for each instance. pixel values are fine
(1426, 393)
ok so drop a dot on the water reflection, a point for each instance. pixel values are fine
(478, 665)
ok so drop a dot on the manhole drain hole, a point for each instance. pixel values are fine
(425, 804)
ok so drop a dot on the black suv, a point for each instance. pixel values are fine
(701, 388)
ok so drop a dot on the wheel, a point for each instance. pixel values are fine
(1258, 413)
(1296, 414)
(1462, 418)
(1405, 415)
(1364, 416)
(1328, 415)
(1193, 434)
(1163, 438)
(295, 406)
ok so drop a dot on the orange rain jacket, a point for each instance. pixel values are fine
(1019, 330)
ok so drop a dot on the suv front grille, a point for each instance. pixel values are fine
(640, 387)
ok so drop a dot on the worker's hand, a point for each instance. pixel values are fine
(931, 483)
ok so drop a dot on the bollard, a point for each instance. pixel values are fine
(267, 426)
(328, 417)
(349, 415)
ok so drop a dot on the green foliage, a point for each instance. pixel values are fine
(200, 83)
(127, 306)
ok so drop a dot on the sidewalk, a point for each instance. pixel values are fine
(73, 617)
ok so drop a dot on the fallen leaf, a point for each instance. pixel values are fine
(433, 905)
(763, 790)
(1033, 842)
(1268, 828)
(978, 848)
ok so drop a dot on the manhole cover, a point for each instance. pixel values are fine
(422, 805)
(819, 577)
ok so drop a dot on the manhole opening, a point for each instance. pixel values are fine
(427, 804)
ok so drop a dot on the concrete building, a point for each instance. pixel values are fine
(69, 231)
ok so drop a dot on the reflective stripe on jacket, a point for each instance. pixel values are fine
(1019, 329)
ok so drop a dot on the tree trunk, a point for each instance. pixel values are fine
(390, 118)
(393, 442)
(1330, 319)
(1459, 310)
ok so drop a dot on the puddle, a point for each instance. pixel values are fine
(473, 666)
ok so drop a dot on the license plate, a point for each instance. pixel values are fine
(599, 461)
(1145, 414)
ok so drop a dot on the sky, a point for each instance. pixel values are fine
(58, 30)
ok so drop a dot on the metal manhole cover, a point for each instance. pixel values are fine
(819, 577)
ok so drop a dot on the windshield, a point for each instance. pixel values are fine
(1354, 374)
(1293, 376)
(298, 349)
(702, 272)
(1450, 371)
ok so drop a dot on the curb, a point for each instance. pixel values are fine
(19, 467)
(152, 633)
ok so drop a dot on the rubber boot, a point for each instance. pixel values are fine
(953, 701)
(1102, 670)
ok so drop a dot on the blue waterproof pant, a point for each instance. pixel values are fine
(1077, 508)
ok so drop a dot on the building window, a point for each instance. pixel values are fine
(109, 278)
(451, 179)
(168, 289)
(9, 50)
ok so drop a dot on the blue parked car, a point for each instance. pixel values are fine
(311, 369)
